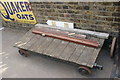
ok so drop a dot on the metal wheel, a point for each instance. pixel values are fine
(84, 70)
(113, 47)
(22, 52)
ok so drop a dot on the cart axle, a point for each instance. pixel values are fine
(96, 66)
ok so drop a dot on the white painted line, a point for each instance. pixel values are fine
(1, 28)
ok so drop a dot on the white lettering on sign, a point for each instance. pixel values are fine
(17, 10)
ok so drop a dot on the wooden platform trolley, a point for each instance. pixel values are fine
(73, 45)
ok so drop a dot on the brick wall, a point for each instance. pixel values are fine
(99, 16)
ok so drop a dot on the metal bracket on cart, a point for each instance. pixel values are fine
(96, 66)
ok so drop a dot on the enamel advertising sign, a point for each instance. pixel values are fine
(17, 10)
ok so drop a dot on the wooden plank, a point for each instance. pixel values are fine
(79, 31)
(45, 44)
(94, 56)
(57, 51)
(30, 42)
(87, 53)
(77, 53)
(82, 41)
(25, 38)
(54, 44)
(36, 43)
(68, 51)
(101, 41)
(84, 58)
(22, 45)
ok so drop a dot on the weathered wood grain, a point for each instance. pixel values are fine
(30, 42)
(35, 46)
(56, 53)
(25, 39)
(54, 44)
(45, 44)
(84, 58)
(68, 51)
(78, 51)
(94, 55)
(35, 43)
(22, 44)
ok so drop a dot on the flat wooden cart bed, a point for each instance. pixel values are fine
(83, 55)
